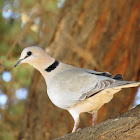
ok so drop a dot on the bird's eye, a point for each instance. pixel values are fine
(29, 53)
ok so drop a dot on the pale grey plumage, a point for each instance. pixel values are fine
(74, 89)
(77, 84)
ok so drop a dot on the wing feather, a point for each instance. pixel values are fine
(75, 85)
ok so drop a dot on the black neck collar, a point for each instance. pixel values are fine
(53, 66)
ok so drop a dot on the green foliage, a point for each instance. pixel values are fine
(16, 109)
(28, 3)
(51, 5)
(24, 76)
(3, 50)
(14, 116)
(1, 4)
(5, 135)
(15, 34)
(2, 24)
(12, 30)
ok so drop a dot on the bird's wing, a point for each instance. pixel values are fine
(75, 85)
(71, 86)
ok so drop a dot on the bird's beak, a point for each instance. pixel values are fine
(18, 62)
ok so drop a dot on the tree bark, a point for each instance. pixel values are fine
(100, 35)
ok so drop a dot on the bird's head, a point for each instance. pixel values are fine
(30, 55)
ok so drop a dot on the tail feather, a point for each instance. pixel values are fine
(124, 84)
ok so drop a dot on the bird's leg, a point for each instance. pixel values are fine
(94, 117)
(76, 124)
(75, 116)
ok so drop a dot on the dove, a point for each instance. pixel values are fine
(74, 89)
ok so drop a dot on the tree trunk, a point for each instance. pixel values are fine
(100, 35)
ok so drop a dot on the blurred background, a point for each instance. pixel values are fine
(99, 35)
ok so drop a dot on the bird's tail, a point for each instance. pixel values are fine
(124, 84)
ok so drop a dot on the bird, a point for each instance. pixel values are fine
(71, 88)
